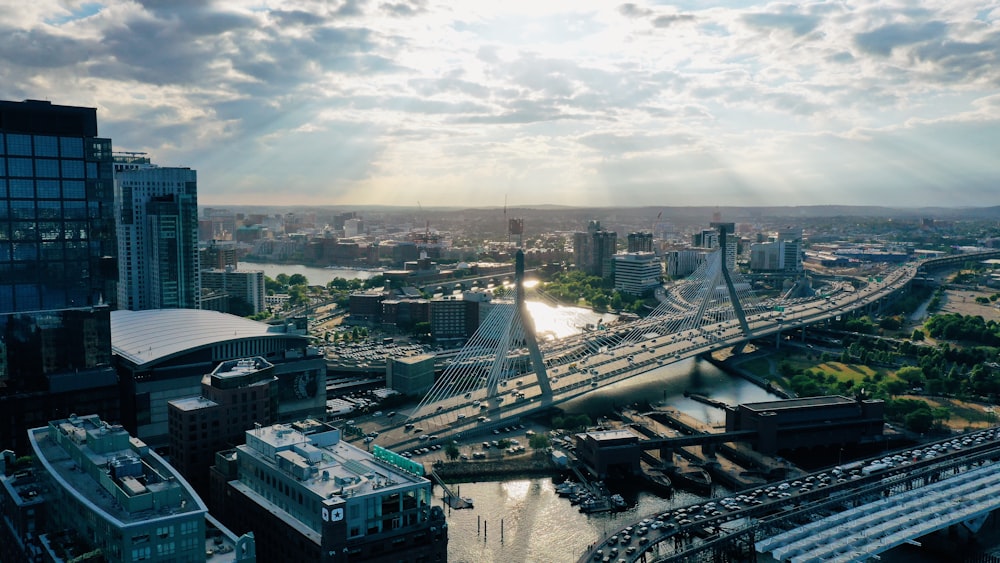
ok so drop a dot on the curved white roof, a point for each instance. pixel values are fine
(148, 336)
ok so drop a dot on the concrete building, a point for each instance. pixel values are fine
(808, 422)
(58, 270)
(683, 263)
(781, 253)
(640, 242)
(245, 289)
(105, 492)
(307, 495)
(453, 319)
(162, 355)
(637, 273)
(157, 223)
(593, 250)
(234, 397)
(410, 375)
(609, 453)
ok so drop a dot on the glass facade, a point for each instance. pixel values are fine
(58, 274)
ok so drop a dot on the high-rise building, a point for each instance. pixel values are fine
(640, 242)
(245, 289)
(637, 272)
(307, 495)
(157, 221)
(234, 397)
(58, 275)
(594, 250)
(103, 490)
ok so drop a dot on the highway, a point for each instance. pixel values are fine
(571, 376)
(683, 533)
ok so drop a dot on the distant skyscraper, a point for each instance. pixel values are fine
(58, 274)
(157, 222)
(594, 250)
(640, 242)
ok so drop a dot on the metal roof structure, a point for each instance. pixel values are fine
(860, 533)
(143, 337)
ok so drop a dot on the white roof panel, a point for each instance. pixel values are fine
(148, 336)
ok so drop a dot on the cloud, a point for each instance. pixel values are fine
(883, 40)
(743, 100)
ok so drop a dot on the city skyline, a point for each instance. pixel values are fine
(567, 103)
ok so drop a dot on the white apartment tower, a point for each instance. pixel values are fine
(157, 221)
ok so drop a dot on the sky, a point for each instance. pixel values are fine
(562, 102)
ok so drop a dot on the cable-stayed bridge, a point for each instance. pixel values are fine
(504, 374)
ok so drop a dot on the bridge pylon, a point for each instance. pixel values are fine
(528, 327)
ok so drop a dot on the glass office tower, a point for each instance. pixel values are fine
(58, 269)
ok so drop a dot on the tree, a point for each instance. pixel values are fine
(539, 442)
(452, 451)
(298, 279)
(282, 279)
(920, 420)
(503, 443)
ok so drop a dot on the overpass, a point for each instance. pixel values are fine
(851, 513)
(497, 378)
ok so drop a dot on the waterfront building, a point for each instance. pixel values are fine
(307, 495)
(58, 271)
(808, 422)
(244, 289)
(609, 453)
(410, 375)
(237, 395)
(162, 355)
(157, 223)
(93, 492)
(637, 273)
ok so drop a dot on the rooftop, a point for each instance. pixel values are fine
(148, 336)
(193, 403)
(827, 400)
(323, 463)
(142, 487)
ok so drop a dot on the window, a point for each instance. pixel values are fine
(20, 167)
(22, 189)
(19, 144)
(71, 146)
(72, 168)
(46, 146)
(48, 189)
(73, 189)
(46, 168)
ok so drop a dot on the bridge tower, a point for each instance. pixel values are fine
(725, 229)
(528, 327)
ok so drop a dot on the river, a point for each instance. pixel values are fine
(538, 525)
(316, 276)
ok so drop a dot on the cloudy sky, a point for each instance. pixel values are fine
(575, 102)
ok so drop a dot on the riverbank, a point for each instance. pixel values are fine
(523, 466)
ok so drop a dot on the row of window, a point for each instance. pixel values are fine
(46, 168)
(43, 189)
(44, 145)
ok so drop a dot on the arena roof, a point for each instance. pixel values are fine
(149, 336)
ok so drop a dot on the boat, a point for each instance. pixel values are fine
(694, 479)
(593, 505)
(618, 502)
(567, 489)
(659, 482)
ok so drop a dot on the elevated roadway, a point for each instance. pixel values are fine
(848, 514)
(572, 378)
